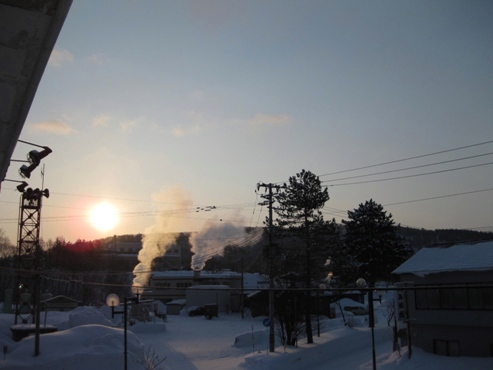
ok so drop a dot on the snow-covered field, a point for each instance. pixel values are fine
(88, 339)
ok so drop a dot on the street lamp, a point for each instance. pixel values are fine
(25, 171)
(34, 157)
(361, 283)
(113, 300)
(22, 185)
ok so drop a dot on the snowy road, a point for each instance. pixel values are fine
(196, 343)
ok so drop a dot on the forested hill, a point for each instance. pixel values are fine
(419, 238)
(415, 238)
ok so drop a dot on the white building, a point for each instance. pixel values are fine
(450, 303)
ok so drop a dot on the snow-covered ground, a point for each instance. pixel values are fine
(88, 339)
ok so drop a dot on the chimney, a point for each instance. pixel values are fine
(196, 274)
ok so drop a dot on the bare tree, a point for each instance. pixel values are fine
(150, 360)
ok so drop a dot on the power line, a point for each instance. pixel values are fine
(408, 168)
(438, 197)
(415, 175)
(408, 159)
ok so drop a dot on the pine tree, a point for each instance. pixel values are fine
(300, 218)
(372, 247)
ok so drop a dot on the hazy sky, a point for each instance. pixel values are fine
(165, 106)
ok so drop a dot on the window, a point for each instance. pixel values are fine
(447, 299)
(488, 298)
(433, 296)
(446, 347)
(473, 298)
(460, 298)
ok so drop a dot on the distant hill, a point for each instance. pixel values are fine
(415, 238)
(419, 238)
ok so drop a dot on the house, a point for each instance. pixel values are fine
(59, 303)
(168, 286)
(448, 300)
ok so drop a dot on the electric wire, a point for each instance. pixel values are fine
(438, 197)
(189, 209)
(415, 175)
(254, 208)
(408, 158)
(408, 168)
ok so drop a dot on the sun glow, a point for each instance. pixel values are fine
(104, 216)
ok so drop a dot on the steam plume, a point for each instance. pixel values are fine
(158, 238)
(212, 239)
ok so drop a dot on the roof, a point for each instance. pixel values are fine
(28, 32)
(177, 302)
(60, 298)
(250, 281)
(190, 274)
(209, 287)
(458, 257)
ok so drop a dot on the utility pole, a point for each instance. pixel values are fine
(270, 201)
(242, 301)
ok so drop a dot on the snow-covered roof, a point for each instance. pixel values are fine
(250, 281)
(459, 257)
(209, 287)
(190, 274)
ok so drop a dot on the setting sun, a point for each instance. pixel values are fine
(104, 216)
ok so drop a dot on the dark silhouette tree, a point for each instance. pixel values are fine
(299, 220)
(372, 247)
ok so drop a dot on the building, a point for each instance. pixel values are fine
(202, 286)
(168, 286)
(176, 254)
(448, 300)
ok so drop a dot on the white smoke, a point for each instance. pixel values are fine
(159, 237)
(212, 239)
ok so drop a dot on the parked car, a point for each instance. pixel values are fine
(356, 310)
(196, 311)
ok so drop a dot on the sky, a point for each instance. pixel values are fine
(164, 108)
(86, 339)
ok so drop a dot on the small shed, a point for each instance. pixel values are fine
(174, 307)
(59, 303)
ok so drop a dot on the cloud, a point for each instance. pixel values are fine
(99, 59)
(197, 123)
(60, 57)
(55, 126)
(128, 125)
(269, 119)
(181, 131)
(101, 121)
